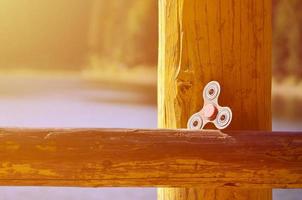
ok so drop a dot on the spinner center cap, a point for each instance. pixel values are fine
(210, 111)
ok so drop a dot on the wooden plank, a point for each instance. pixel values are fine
(125, 157)
(224, 40)
(225, 193)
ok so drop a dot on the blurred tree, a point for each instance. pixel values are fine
(49, 34)
(287, 50)
(142, 33)
(123, 33)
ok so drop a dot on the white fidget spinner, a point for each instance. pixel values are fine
(211, 112)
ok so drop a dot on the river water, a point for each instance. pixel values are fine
(72, 102)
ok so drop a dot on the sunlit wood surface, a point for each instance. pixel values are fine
(129, 157)
(227, 41)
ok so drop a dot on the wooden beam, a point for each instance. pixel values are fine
(227, 41)
(125, 157)
(224, 40)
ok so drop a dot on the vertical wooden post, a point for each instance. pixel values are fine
(224, 40)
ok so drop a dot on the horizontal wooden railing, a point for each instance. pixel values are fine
(125, 157)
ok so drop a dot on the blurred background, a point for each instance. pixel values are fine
(93, 64)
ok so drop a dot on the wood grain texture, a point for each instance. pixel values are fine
(227, 194)
(224, 40)
(204, 40)
(169, 158)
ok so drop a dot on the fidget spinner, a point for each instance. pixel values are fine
(211, 112)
